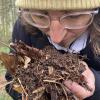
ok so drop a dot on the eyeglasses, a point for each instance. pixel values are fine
(74, 20)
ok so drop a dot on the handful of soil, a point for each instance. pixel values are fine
(40, 73)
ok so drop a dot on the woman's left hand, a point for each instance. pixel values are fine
(80, 91)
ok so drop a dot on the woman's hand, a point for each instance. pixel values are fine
(80, 91)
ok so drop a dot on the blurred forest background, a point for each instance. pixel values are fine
(8, 15)
(7, 18)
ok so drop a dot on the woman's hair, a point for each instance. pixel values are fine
(94, 36)
(28, 28)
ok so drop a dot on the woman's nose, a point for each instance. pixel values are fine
(57, 31)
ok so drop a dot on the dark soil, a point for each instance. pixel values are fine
(41, 72)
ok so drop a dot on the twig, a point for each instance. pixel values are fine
(53, 81)
(38, 97)
(23, 89)
(39, 89)
(23, 96)
(4, 84)
(50, 81)
(1, 42)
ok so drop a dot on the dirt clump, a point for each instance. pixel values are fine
(41, 73)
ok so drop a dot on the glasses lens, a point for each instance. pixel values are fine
(76, 21)
(40, 20)
(37, 19)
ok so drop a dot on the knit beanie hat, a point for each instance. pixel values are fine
(58, 4)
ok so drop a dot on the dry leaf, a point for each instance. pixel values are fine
(9, 61)
(17, 88)
(21, 59)
(27, 60)
(50, 70)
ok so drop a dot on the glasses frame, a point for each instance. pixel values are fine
(30, 22)
(91, 13)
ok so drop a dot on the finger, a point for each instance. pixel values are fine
(78, 90)
(90, 83)
(87, 71)
(89, 77)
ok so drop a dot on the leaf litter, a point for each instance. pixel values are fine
(39, 74)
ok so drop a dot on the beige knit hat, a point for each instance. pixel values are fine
(58, 4)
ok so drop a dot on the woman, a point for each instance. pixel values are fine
(69, 26)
